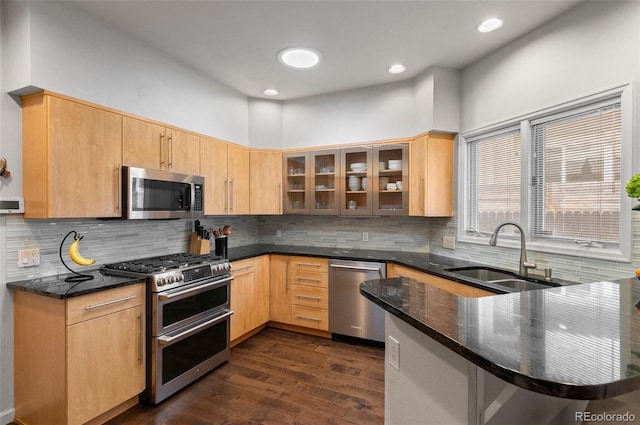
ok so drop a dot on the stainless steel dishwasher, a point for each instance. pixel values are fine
(350, 313)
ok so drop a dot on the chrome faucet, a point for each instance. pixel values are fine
(524, 264)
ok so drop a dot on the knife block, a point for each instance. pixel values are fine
(199, 246)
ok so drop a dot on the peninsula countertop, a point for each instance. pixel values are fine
(577, 342)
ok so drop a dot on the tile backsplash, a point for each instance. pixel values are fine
(115, 240)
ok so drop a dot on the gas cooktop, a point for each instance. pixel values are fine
(173, 270)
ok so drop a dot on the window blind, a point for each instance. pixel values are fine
(576, 175)
(493, 180)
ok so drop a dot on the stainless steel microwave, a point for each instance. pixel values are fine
(155, 194)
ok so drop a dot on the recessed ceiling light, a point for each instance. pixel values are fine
(299, 57)
(397, 68)
(271, 92)
(489, 25)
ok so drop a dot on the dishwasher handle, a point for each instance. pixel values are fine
(369, 269)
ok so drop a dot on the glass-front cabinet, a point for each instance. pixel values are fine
(296, 184)
(391, 187)
(325, 183)
(364, 180)
(356, 182)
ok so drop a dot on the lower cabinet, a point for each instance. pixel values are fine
(79, 360)
(300, 291)
(439, 282)
(249, 296)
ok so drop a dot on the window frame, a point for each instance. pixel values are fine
(629, 127)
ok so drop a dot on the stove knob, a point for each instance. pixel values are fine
(180, 278)
(160, 282)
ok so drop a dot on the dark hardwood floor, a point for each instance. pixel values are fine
(279, 377)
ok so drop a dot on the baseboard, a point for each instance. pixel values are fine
(7, 416)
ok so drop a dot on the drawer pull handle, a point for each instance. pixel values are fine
(309, 264)
(108, 303)
(243, 268)
(307, 279)
(315, 319)
(308, 297)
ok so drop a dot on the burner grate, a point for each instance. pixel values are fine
(162, 263)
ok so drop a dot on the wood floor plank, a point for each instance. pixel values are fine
(279, 377)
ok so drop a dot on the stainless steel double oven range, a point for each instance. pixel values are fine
(188, 312)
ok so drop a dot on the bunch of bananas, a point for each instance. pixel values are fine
(74, 253)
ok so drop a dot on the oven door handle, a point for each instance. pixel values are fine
(167, 296)
(167, 340)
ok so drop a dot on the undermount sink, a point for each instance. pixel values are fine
(498, 277)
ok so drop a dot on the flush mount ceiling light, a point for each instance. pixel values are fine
(489, 25)
(270, 92)
(299, 57)
(397, 68)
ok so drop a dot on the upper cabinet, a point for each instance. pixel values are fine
(225, 168)
(390, 187)
(362, 180)
(149, 145)
(266, 182)
(71, 158)
(296, 183)
(431, 176)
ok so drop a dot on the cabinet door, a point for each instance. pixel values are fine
(279, 296)
(213, 163)
(83, 163)
(263, 279)
(296, 183)
(324, 184)
(266, 182)
(183, 152)
(238, 174)
(431, 176)
(243, 288)
(105, 363)
(390, 175)
(143, 144)
(355, 181)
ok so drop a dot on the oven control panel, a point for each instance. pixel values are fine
(175, 278)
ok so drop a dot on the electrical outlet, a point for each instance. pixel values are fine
(278, 233)
(394, 352)
(28, 257)
(449, 242)
(365, 236)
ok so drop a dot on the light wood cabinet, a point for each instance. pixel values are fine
(296, 183)
(80, 360)
(249, 296)
(71, 158)
(225, 168)
(299, 292)
(390, 166)
(149, 145)
(431, 176)
(266, 182)
(439, 282)
(279, 294)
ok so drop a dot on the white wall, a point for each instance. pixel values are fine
(265, 123)
(75, 54)
(368, 114)
(592, 47)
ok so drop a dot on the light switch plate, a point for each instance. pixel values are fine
(449, 242)
(29, 257)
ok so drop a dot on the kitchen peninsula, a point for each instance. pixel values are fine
(537, 354)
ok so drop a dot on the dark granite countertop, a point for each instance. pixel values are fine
(56, 287)
(424, 262)
(577, 342)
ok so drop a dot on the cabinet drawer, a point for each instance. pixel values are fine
(101, 303)
(309, 264)
(309, 279)
(242, 267)
(310, 317)
(310, 296)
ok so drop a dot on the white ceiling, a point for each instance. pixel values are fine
(236, 42)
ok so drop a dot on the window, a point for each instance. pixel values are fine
(558, 173)
(493, 180)
(576, 176)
